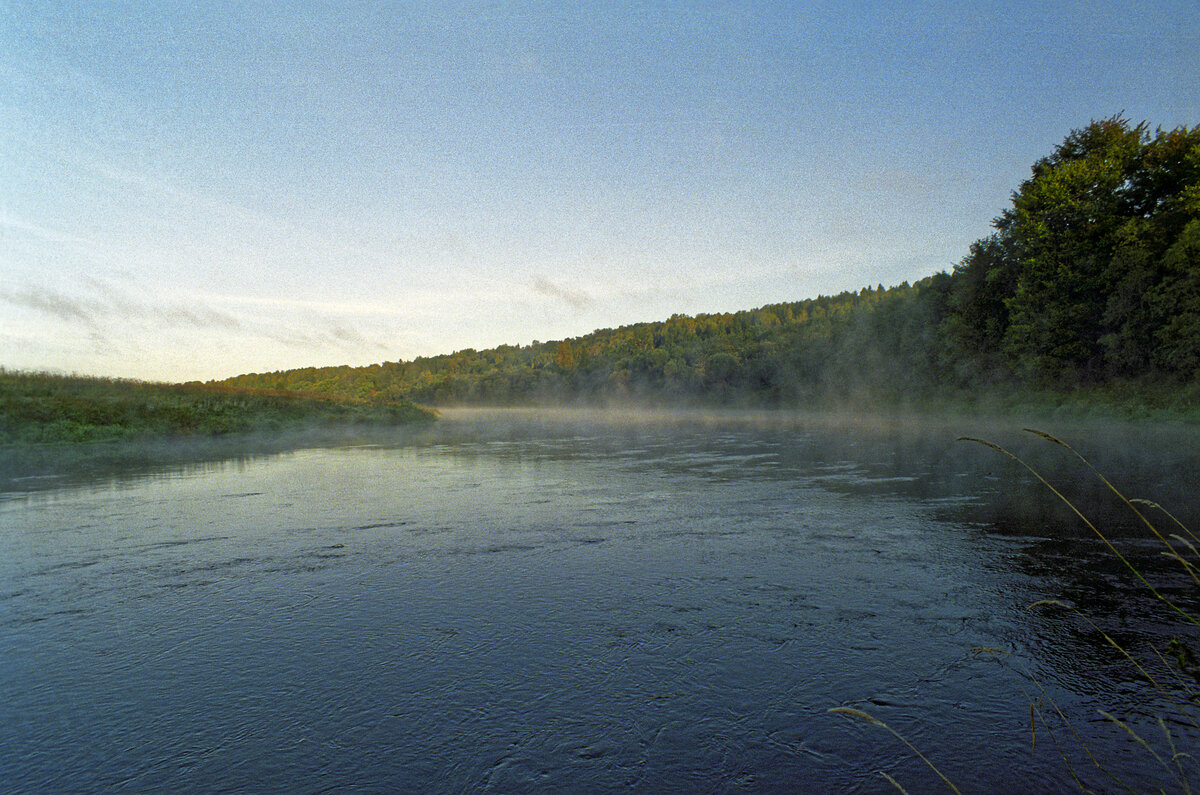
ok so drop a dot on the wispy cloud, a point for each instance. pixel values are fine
(323, 339)
(202, 317)
(118, 303)
(349, 338)
(326, 307)
(542, 285)
(107, 302)
(52, 303)
(12, 223)
(160, 188)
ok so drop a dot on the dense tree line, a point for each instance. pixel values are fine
(1091, 279)
(1094, 272)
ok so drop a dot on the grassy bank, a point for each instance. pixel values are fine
(37, 408)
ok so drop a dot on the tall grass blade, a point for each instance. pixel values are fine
(1186, 543)
(1121, 649)
(1085, 520)
(1176, 673)
(1175, 755)
(1112, 488)
(1129, 730)
(1043, 696)
(893, 782)
(858, 713)
(1171, 516)
(1032, 727)
(1063, 754)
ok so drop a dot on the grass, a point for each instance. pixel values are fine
(1173, 672)
(858, 713)
(40, 409)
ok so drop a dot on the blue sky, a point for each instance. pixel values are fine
(191, 191)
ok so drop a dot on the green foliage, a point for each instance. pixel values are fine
(1099, 240)
(777, 353)
(1089, 285)
(977, 316)
(46, 409)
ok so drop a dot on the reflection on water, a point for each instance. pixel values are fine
(547, 601)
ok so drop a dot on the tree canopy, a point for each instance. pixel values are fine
(1091, 278)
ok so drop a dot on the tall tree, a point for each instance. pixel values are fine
(1064, 225)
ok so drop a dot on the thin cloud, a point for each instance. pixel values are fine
(202, 318)
(330, 307)
(546, 287)
(154, 185)
(54, 304)
(9, 222)
(102, 345)
(350, 337)
(111, 303)
(339, 337)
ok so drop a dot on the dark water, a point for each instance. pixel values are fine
(586, 604)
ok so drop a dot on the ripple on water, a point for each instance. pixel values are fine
(671, 612)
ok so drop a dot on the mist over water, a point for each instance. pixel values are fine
(521, 600)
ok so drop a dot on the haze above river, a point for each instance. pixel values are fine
(572, 601)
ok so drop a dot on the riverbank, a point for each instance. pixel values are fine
(39, 409)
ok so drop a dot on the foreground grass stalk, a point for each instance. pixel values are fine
(1171, 516)
(1176, 689)
(858, 713)
(1188, 617)
(1188, 688)
(1176, 755)
(1128, 502)
(893, 782)
(1108, 638)
(1133, 661)
(1037, 712)
(1138, 739)
(1174, 765)
(1062, 754)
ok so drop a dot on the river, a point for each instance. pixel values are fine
(571, 601)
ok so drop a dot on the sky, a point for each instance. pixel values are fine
(189, 191)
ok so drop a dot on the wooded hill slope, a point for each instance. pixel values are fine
(1091, 282)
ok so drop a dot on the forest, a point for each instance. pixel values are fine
(1088, 290)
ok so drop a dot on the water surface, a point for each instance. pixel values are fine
(522, 602)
